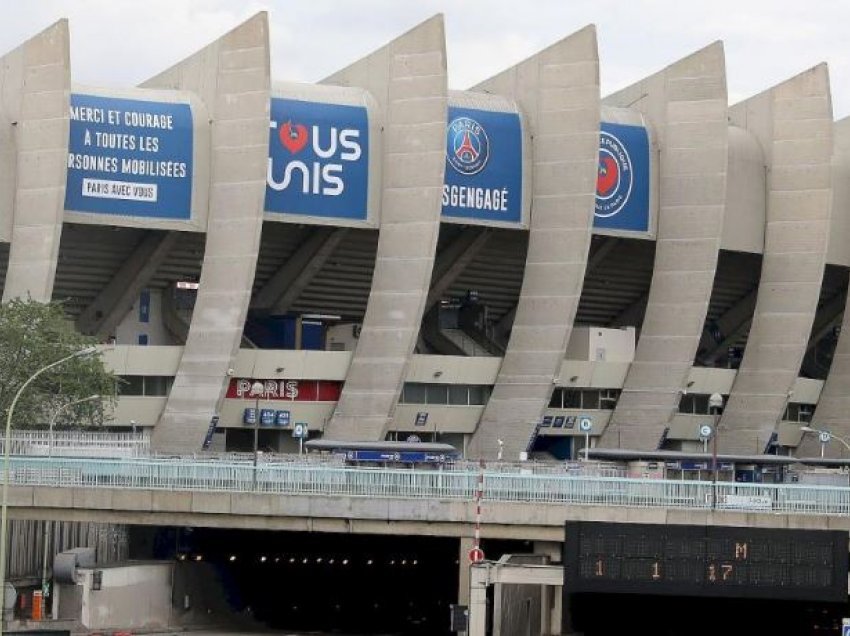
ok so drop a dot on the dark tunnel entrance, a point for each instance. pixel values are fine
(339, 583)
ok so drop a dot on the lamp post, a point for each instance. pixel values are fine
(55, 416)
(715, 403)
(5, 505)
(49, 524)
(256, 390)
(829, 436)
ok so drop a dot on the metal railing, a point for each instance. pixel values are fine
(319, 479)
(78, 444)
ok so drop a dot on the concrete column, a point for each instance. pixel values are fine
(558, 91)
(466, 544)
(834, 404)
(793, 123)
(35, 94)
(232, 76)
(686, 104)
(408, 79)
(479, 577)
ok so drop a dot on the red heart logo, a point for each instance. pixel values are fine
(293, 138)
(608, 175)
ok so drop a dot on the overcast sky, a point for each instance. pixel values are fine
(123, 42)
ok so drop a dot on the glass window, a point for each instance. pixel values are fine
(478, 394)
(608, 399)
(437, 393)
(572, 399)
(414, 393)
(686, 404)
(157, 385)
(806, 412)
(590, 399)
(458, 395)
(556, 402)
(701, 404)
(131, 385)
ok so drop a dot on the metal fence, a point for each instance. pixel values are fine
(78, 444)
(319, 479)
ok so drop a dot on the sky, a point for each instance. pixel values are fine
(120, 43)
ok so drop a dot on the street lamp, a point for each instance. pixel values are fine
(257, 389)
(825, 435)
(4, 513)
(715, 403)
(56, 416)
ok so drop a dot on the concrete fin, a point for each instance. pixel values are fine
(798, 163)
(533, 357)
(233, 77)
(408, 79)
(834, 404)
(35, 93)
(686, 104)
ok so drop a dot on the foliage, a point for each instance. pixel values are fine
(32, 335)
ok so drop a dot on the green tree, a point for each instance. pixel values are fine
(32, 335)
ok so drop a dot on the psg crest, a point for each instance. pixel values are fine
(616, 176)
(467, 147)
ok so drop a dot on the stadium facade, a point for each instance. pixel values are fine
(522, 266)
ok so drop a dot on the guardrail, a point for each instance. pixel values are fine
(324, 480)
(78, 444)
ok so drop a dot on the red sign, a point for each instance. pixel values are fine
(476, 555)
(290, 390)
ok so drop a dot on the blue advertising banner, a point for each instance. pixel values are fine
(130, 157)
(622, 187)
(483, 166)
(318, 159)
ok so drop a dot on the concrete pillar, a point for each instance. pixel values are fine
(551, 602)
(35, 94)
(793, 123)
(408, 79)
(479, 577)
(558, 91)
(686, 104)
(466, 544)
(834, 403)
(232, 76)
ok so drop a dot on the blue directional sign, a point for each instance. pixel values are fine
(130, 157)
(318, 159)
(282, 418)
(483, 165)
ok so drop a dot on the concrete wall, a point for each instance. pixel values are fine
(686, 103)
(132, 596)
(558, 90)
(408, 79)
(793, 123)
(35, 83)
(834, 405)
(233, 77)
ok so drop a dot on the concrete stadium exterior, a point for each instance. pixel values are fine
(392, 258)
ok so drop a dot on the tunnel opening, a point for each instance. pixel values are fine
(316, 582)
(656, 615)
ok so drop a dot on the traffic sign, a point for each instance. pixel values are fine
(824, 437)
(585, 424)
(300, 430)
(705, 431)
(476, 555)
(845, 628)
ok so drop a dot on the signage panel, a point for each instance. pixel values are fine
(715, 561)
(622, 185)
(483, 166)
(130, 157)
(318, 159)
(294, 390)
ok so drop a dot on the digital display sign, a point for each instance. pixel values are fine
(806, 565)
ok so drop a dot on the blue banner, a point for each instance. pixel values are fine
(318, 159)
(622, 186)
(483, 166)
(130, 157)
